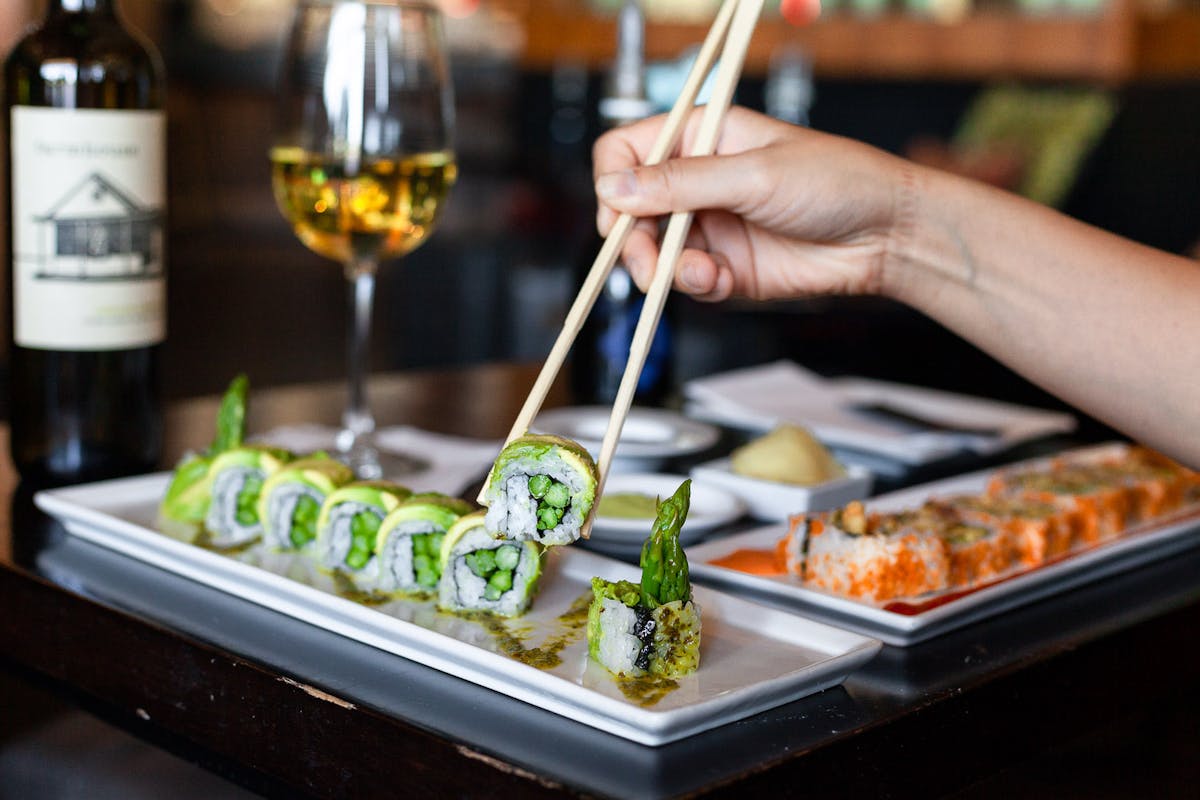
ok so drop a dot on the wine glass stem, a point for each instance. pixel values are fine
(357, 423)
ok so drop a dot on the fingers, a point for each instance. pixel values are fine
(685, 184)
(641, 255)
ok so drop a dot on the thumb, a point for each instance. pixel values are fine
(681, 184)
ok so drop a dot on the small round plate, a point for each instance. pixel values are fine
(650, 434)
(711, 507)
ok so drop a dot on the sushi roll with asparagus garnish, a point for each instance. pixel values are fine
(291, 499)
(540, 489)
(236, 480)
(186, 502)
(483, 573)
(652, 628)
(409, 543)
(349, 525)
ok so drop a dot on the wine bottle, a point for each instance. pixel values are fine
(86, 179)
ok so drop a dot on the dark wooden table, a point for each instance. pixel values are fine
(1090, 693)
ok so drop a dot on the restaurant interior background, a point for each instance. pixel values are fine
(1093, 104)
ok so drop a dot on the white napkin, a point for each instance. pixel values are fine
(455, 462)
(763, 396)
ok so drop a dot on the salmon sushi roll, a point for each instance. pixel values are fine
(878, 558)
(1035, 531)
(1158, 486)
(978, 547)
(1099, 511)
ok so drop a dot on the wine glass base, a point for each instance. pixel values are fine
(370, 462)
(385, 464)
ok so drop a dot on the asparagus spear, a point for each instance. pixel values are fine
(664, 566)
(187, 497)
(231, 417)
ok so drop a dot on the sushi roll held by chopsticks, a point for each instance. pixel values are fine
(652, 628)
(540, 489)
(482, 573)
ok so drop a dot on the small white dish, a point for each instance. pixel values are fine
(711, 506)
(649, 437)
(774, 501)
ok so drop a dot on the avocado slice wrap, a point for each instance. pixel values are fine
(482, 573)
(541, 488)
(235, 482)
(186, 501)
(348, 526)
(409, 543)
(291, 499)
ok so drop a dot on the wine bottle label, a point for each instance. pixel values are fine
(88, 201)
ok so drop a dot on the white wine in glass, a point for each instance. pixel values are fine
(363, 161)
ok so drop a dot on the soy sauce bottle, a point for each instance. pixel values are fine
(83, 103)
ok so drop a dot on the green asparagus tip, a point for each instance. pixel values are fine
(231, 416)
(664, 565)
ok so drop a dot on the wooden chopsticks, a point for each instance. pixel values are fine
(727, 39)
(745, 17)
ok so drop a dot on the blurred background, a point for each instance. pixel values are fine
(1092, 106)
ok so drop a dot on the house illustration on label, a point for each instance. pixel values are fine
(99, 232)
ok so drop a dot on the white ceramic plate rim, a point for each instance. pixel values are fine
(677, 435)
(95, 512)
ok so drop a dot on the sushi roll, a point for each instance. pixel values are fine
(540, 489)
(483, 573)
(1157, 485)
(1036, 531)
(189, 494)
(409, 543)
(651, 628)
(291, 500)
(349, 524)
(979, 546)
(876, 558)
(1099, 509)
(236, 480)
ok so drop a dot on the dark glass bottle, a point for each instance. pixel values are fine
(86, 181)
(602, 349)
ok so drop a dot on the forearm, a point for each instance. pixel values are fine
(1108, 325)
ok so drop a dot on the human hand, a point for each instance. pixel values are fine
(781, 211)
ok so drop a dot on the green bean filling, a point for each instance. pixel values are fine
(496, 566)
(426, 563)
(247, 501)
(363, 528)
(553, 499)
(304, 520)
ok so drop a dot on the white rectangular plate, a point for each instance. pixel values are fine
(1137, 546)
(752, 657)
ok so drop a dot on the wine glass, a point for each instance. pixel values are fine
(362, 162)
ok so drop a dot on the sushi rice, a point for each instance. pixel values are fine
(541, 489)
(482, 573)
